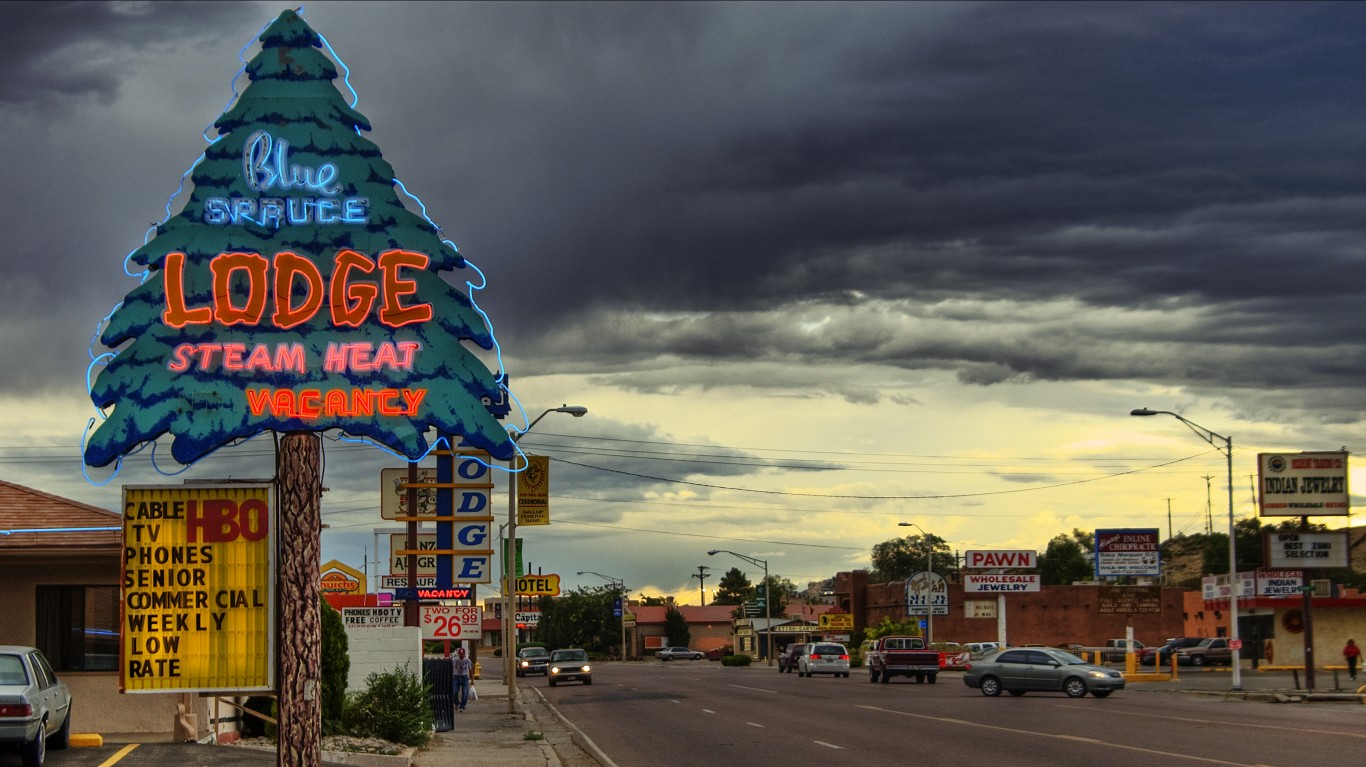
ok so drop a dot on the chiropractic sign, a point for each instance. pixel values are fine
(294, 291)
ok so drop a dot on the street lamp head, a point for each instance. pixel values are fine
(578, 411)
(905, 524)
(712, 553)
(1142, 411)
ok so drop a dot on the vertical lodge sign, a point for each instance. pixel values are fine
(293, 291)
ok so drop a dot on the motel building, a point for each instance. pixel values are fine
(60, 562)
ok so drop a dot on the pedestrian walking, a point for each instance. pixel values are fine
(1353, 654)
(460, 678)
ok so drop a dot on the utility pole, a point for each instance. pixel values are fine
(1209, 507)
(701, 576)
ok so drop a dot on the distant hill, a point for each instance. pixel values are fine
(1183, 558)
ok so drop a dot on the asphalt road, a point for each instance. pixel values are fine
(701, 713)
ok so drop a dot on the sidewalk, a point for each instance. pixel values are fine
(487, 735)
(1264, 685)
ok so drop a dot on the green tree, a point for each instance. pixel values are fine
(336, 665)
(734, 588)
(889, 627)
(676, 628)
(1064, 561)
(897, 559)
(582, 618)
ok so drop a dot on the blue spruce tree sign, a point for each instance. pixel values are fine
(294, 291)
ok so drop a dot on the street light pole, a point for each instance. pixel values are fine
(1233, 583)
(510, 559)
(619, 583)
(768, 597)
(929, 581)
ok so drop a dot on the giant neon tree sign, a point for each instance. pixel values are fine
(293, 291)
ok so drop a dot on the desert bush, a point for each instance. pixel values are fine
(393, 706)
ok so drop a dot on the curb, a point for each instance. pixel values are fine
(576, 735)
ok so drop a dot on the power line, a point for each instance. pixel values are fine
(937, 496)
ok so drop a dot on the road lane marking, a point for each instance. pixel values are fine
(1222, 722)
(756, 689)
(708, 711)
(828, 745)
(1053, 736)
(118, 756)
(755, 724)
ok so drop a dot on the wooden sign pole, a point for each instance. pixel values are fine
(299, 629)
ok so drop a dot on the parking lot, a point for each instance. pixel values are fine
(149, 755)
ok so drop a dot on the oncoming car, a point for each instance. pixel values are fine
(532, 660)
(1020, 670)
(570, 666)
(35, 707)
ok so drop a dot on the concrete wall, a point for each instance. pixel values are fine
(380, 650)
(1052, 616)
(1332, 628)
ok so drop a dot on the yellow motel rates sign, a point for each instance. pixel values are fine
(198, 590)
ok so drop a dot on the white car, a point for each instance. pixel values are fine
(35, 706)
(824, 658)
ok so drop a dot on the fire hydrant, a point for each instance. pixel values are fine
(476, 669)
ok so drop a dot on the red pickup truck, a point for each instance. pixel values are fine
(902, 656)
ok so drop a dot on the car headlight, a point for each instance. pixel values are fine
(525, 664)
(586, 667)
(554, 669)
(1098, 674)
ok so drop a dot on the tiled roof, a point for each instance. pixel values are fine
(58, 522)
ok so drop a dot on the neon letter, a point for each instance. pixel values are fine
(394, 314)
(351, 302)
(222, 266)
(176, 315)
(287, 267)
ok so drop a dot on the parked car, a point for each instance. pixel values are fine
(1163, 654)
(533, 660)
(717, 653)
(1018, 671)
(983, 649)
(1115, 650)
(824, 658)
(570, 666)
(679, 653)
(1209, 650)
(791, 655)
(35, 706)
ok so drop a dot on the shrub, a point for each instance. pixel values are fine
(336, 665)
(736, 660)
(394, 706)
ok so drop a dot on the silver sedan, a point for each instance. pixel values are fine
(35, 706)
(1040, 669)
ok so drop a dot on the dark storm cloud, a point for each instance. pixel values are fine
(55, 50)
(667, 195)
